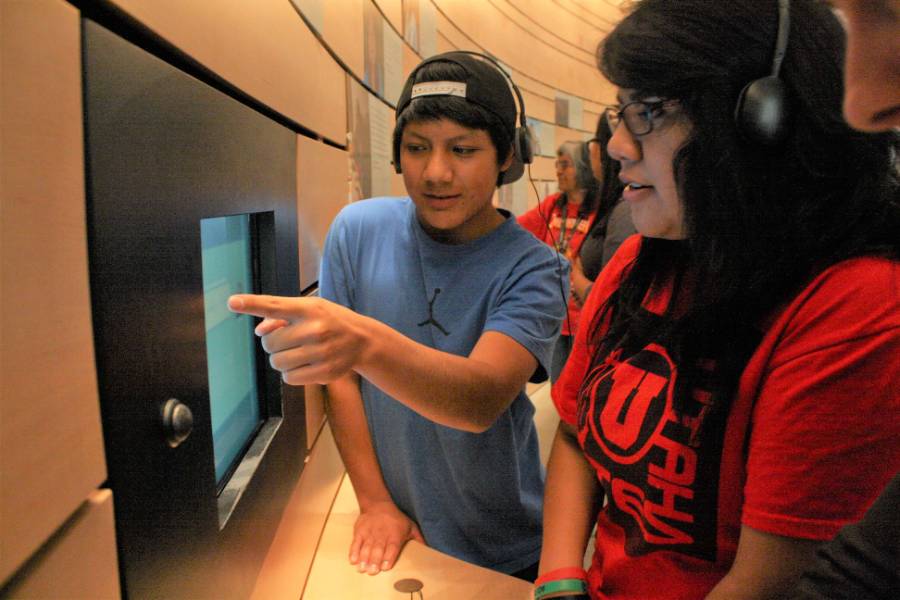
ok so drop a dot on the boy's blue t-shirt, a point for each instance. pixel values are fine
(474, 496)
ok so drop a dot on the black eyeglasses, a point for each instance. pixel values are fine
(639, 116)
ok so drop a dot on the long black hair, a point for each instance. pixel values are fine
(760, 221)
(610, 184)
(609, 194)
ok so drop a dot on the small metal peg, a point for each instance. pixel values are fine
(410, 586)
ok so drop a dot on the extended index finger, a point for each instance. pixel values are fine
(274, 307)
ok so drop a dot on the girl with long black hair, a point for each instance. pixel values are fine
(612, 225)
(734, 398)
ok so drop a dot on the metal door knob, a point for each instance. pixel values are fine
(177, 421)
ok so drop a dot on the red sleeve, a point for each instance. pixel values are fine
(565, 391)
(536, 219)
(826, 421)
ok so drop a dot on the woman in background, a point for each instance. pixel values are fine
(732, 390)
(613, 221)
(562, 220)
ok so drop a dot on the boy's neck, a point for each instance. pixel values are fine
(477, 227)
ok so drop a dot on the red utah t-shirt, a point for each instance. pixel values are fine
(810, 440)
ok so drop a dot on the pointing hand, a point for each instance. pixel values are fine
(309, 340)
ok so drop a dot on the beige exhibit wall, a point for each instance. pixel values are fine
(51, 446)
(302, 59)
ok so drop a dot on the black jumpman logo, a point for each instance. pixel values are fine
(430, 319)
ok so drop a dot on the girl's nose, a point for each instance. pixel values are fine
(623, 146)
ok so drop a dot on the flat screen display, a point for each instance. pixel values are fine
(227, 244)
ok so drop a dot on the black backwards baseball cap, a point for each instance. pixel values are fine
(485, 85)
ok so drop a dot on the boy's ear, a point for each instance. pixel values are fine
(508, 162)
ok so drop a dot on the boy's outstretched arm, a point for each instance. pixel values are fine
(382, 529)
(312, 340)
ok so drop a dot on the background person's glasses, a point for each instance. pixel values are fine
(639, 116)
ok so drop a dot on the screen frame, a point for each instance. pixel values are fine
(268, 385)
(163, 151)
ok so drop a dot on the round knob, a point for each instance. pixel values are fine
(177, 421)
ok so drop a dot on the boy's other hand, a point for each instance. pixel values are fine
(309, 340)
(379, 534)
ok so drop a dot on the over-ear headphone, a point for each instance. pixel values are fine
(478, 89)
(762, 114)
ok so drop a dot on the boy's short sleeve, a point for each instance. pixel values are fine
(532, 305)
(336, 271)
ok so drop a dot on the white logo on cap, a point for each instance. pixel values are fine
(439, 88)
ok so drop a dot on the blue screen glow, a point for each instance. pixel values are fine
(230, 343)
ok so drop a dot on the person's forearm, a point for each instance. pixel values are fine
(467, 393)
(313, 340)
(347, 418)
(765, 566)
(581, 287)
(571, 501)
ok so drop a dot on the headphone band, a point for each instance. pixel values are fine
(482, 86)
(784, 26)
(447, 57)
(763, 110)
(512, 84)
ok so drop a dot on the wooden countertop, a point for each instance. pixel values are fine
(332, 577)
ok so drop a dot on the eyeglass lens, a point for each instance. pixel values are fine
(638, 117)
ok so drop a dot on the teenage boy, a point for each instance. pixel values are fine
(863, 560)
(435, 311)
(872, 63)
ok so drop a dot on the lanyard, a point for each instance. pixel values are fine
(562, 246)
